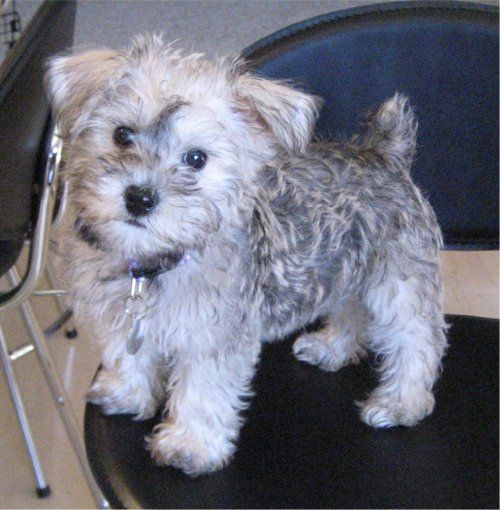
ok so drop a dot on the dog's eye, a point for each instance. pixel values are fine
(123, 135)
(195, 159)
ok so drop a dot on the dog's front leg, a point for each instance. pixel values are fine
(127, 384)
(202, 416)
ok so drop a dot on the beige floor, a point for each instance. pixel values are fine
(471, 287)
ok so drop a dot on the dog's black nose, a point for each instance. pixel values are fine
(140, 200)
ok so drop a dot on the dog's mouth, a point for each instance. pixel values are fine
(131, 239)
(135, 223)
(86, 232)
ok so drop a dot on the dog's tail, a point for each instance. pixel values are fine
(392, 132)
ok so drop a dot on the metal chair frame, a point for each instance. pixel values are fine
(23, 289)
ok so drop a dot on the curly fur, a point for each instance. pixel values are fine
(280, 231)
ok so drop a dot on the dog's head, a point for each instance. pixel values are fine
(160, 146)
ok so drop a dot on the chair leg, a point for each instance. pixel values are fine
(58, 394)
(70, 330)
(42, 488)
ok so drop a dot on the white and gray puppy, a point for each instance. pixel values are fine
(202, 180)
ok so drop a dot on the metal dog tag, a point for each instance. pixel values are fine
(134, 338)
(136, 308)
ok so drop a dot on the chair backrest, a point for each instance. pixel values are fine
(24, 121)
(444, 57)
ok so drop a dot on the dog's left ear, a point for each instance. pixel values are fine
(289, 114)
(73, 80)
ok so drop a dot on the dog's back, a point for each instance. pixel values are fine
(325, 223)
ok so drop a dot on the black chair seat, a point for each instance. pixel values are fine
(444, 57)
(303, 444)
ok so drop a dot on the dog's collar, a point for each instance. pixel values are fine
(152, 268)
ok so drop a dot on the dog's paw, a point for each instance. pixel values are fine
(116, 396)
(176, 446)
(384, 410)
(327, 355)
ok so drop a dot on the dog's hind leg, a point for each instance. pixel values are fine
(338, 343)
(407, 334)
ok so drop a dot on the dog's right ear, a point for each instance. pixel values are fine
(283, 111)
(73, 80)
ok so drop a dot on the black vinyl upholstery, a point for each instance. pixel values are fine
(303, 445)
(444, 57)
(24, 122)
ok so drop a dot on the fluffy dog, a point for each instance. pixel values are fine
(202, 181)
